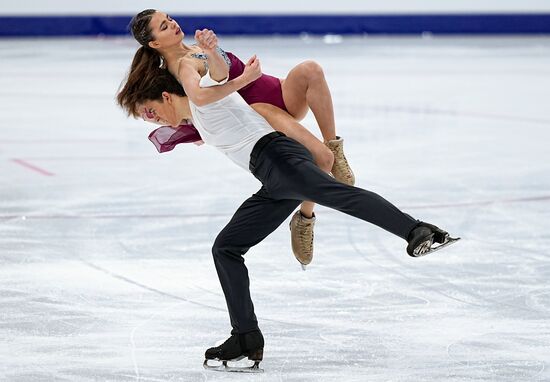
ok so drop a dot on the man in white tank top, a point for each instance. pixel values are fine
(288, 175)
(229, 124)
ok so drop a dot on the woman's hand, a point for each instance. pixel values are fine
(206, 39)
(252, 70)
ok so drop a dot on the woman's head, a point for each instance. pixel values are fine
(155, 29)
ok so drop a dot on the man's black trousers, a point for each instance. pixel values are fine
(289, 176)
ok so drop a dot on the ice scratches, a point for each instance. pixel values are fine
(401, 274)
(398, 299)
(148, 288)
(175, 297)
(204, 290)
(372, 346)
(539, 300)
(465, 296)
(10, 293)
(139, 326)
(498, 354)
(40, 315)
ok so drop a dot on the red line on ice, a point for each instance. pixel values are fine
(32, 167)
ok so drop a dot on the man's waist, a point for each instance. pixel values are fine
(260, 145)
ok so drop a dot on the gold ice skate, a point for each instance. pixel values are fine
(301, 230)
(340, 169)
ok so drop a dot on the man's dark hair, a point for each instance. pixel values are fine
(137, 91)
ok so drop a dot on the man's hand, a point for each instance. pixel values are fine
(206, 39)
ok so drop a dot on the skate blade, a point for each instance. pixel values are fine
(304, 267)
(255, 368)
(448, 241)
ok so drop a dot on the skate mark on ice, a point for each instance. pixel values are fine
(56, 141)
(531, 298)
(462, 290)
(175, 297)
(540, 257)
(404, 276)
(133, 332)
(148, 288)
(479, 203)
(464, 224)
(33, 215)
(128, 250)
(497, 354)
(116, 216)
(454, 113)
(281, 369)
(93, 197)
(539, 299)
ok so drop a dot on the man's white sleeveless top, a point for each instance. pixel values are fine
(229, 124)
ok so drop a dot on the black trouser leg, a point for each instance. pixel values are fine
(289, 175)
(287, 170)
(255, 219)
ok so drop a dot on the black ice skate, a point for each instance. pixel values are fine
(236, 348)
(424, 236)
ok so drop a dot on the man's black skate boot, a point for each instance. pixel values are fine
(440, 236)
(420, 241)
(238, 346)
(252, 344)
(230, 349)
(423, 236)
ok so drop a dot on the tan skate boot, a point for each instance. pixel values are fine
(340, 169)
(301, 232)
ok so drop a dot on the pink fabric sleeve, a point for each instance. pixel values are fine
(165, 138)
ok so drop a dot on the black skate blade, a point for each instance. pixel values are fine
(448, 241)
(255, 368)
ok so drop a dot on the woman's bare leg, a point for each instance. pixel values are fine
(285, 123)
(306, 87)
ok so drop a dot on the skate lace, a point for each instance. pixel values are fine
(305, 232)
(340, 165)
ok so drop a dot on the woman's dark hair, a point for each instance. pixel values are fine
(139, 90)
(139, 26)
(145, 66)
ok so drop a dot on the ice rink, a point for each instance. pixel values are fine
(106, 271)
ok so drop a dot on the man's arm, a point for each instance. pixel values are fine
(201, 96)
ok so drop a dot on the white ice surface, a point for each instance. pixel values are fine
(105, 265)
